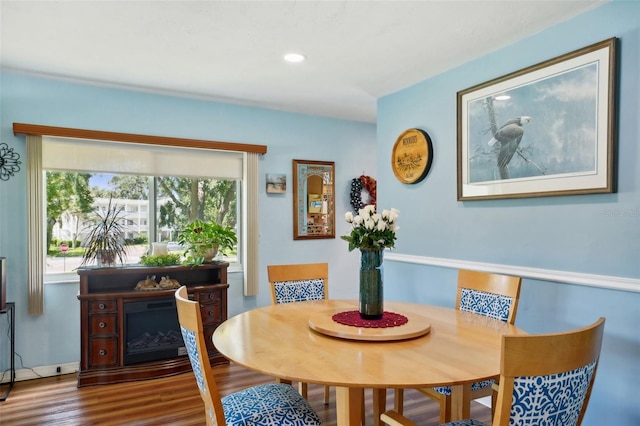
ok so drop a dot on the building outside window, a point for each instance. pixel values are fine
(177, 202)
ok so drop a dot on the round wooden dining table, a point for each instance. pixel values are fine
(296, 342)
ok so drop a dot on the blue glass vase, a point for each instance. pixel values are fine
(371, 289)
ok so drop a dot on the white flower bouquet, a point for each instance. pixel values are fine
(370, 230)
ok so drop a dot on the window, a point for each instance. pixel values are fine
(72, 199)
(87, 151)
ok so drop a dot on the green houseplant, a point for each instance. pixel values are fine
(160, 259)
(106, 238)
(202, 241)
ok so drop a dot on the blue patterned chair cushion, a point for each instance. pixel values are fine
(269, 404)
(546, 400)
(487, 304)
(550, 400)
(446, 390)
(189, 338)
(299, 291)
(467, 422)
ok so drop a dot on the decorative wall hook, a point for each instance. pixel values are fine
(9, 162)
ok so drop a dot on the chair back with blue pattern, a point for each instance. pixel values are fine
(190, 320)
(547, 378)
(298, 283)
(491, 295)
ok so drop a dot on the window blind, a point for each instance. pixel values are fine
(82, 155)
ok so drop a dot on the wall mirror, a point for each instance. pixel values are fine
(313, 199)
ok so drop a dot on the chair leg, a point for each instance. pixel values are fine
(445, 409)
(302, 388)
(398, 401)
(494, 401)
(326, 395)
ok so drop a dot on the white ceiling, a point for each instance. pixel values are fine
(231, 51)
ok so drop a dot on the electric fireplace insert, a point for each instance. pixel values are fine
(151, 331)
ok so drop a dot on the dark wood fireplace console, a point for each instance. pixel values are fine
(104, 293)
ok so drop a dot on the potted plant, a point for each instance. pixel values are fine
(106, 240)
(160, 259)
(371, 232)
(203, 240)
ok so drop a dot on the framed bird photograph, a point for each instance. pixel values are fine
(546, 130)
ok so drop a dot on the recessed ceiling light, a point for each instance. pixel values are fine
(502, 97)
(294, 57)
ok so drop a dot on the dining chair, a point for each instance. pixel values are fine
(492, 295)
(544, 379)
(299, 283)
(267, 404)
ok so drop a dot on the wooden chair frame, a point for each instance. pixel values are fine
(298, 272)
(545, 354)
(536, 355)
(272, 404)
(504, 285)
(190, 317)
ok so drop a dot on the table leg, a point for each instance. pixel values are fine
(460, 402)
(349, 406)
(379, 405)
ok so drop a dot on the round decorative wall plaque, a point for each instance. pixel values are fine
(411, 156)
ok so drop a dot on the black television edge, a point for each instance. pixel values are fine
(3, 284)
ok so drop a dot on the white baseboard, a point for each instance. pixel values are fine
(45, 371)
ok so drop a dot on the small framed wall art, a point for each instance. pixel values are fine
(276, 183)
(412, 156)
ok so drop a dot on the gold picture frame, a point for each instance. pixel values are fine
(314, 215)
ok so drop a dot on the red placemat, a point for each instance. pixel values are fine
(352, 318)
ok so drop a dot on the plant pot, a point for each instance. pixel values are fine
(210, 254)
(158, 249)
(204, 251)
(105, 259)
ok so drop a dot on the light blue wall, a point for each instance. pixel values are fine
(593, 234)
(54, 338)
(565, 233)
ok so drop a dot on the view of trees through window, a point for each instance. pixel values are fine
(155, 209)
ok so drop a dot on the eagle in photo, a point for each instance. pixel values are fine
(509, 136)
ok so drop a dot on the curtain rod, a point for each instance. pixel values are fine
(40, 130)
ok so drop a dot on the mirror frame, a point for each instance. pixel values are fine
(302, 170)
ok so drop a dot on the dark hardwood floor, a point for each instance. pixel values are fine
(168, 401)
